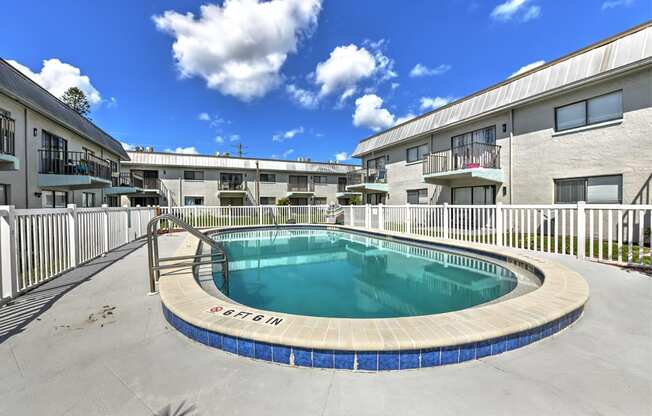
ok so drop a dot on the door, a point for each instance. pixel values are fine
(54, 154)
(230, 181)
(298, 183)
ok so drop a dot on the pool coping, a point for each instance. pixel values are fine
(489, 329)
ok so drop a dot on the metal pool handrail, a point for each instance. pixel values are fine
(154, 261)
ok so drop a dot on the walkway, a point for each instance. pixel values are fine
(103, 348)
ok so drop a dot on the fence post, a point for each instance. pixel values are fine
(581, 229)
(446, 220)
(367, 216)
(351, 216)
(408, 219)
(260, 215)
(381, 217)
(105, 225)
(73, 235)
(140, 222)
(499, 224)
(8, 267)
(230, 215)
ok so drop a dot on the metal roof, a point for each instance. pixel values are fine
(622, 50)
(15, 84)
(221, 162)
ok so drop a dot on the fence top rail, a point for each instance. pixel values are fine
(40, 211)
(618, 206)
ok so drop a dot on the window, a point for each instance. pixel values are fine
(474, 195)
(114, 166)
(319, 201)
(267, 200)
(417, 152)
(594, 110)
(593, 190)
(417, 196)
(319, 180)
(377, 163)
(54, 199)
(88, 199)
(193, 200)
(4, 194)
(113, 201)
(486, 135)
(7, 133)
(193, 175)
(268, 177)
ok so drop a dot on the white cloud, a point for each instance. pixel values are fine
(369, 113)
(430, 103)
(190, 150)
(219, 139)
(287, 153)
(234, 138)
(204, 117)
(56, 77)
(342, 156)
(112, 102)
(516, 8)
(280, 137)
(128, 147)
(527, 67)
(344, 68)
(305, 98)
(395, 85)
(420, 70)
(611, 4)
(239, 48)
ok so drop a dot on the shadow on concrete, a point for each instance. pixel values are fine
(17, 314)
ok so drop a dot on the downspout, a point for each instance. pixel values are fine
(26, 164)
(511, 166)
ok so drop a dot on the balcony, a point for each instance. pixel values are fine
(232, 188)
(367, 180)
(477, 161)
(8, 159)
(72, 170)
(300, 190)
(125, 183)
(343, 193)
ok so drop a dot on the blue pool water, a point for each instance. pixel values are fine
(318, 272)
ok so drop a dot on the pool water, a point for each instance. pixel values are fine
(319, 272)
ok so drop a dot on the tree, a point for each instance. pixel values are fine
(282, 201)
(76, 99)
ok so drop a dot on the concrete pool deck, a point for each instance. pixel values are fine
(77, 358)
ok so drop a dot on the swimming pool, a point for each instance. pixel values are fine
(337, 274)
(268, 310)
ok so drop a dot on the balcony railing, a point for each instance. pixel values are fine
(232, 186)
(370, 175)
(60, 162)
(127, 179)
(7, 135)
(341, 187)
(152, 184)
(470, 156)
(301, 187)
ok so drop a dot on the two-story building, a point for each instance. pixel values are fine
(50, 156)
(152, 178)
(575, 129)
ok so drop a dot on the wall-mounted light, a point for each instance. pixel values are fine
(35, 131)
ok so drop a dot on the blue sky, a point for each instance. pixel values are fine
(289, 78)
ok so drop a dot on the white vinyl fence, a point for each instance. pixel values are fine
(37, 245)
(611, 233)
(226, 216)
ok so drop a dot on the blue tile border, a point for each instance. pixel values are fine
(368, 360)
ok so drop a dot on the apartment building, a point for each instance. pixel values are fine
(575, 129)
(50, 156)
(151, 178)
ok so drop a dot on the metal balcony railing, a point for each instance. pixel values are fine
(7, 135)
(301, 187)
(61, 162)
(127, 179)
(470, 156)
(370, 175)
(232, 186)
(152, 184)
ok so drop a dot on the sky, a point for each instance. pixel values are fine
(288, 78)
